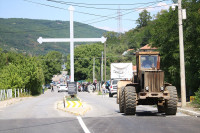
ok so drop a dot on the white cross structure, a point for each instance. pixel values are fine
(71, 40)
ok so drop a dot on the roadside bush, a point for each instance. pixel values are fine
(197, 98)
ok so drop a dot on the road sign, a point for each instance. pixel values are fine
(72, 88)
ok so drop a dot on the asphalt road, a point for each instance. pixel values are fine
(39, 114)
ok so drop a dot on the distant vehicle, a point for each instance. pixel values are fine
(48, 86)
(113, 87)
(121, 71)
(58, 85)
(62, 88)
(54, 83)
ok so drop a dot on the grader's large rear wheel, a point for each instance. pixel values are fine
(171, 103)
(130, 100)
(121, 100)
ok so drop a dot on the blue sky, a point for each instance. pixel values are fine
(40, 9)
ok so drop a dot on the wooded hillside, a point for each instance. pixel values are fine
(21, 35)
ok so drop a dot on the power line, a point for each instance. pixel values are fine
(45, 4)
(77, 12)
(136, 9)
(99, 15)
(89, 58)
(115, 16)
(65, 9)
(104, 4)
(81, 5)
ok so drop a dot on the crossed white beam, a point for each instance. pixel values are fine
(41, 40)
(71, 40)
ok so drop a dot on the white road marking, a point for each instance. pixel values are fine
(82, 124)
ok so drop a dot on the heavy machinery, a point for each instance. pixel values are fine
(147, 87)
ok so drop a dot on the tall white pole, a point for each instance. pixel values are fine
(182, 61)
(105, 60)
(93, 69)
(102, 66)
(71, 9)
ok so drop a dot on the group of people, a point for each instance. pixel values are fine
(86, 87)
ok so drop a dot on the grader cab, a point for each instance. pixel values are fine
(148, 87)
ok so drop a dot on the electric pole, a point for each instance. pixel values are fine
(182, 61)
(93, 69)
(119, 21)
(105, 59)
(102, 67)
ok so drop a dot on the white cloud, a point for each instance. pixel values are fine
(111, 29)
(158, 7)
(107, 28)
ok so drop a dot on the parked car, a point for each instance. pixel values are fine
(113, 87)
(62, 87)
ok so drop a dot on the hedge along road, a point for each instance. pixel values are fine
(38, 114)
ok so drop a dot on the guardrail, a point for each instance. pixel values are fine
(11, 93)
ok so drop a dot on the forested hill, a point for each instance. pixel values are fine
(21, 35)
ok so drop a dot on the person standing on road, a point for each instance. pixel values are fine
(52, 90)
(43, 87)
(94, 86)
(103, 89)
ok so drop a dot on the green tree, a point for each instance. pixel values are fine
(144, 18)
(83, 61)
(51, 64)
(165, 36)
(22, 71)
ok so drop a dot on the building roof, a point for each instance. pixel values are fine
(130, 49)
(147, 47)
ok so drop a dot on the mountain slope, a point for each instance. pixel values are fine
(21, 35)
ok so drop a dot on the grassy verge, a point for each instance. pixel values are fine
(100, 93)
(193, 105)
(69, 98)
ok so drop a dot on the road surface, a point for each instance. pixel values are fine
(39, 115)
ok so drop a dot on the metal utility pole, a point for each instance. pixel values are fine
(119, 21)
(105, 59)
(102, 67)
(93, 69)
(182, 61)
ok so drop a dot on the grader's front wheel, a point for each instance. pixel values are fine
(130, 100)
(121, 100)
(171, 103)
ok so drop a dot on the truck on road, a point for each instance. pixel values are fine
(148, 87)
(119, 71)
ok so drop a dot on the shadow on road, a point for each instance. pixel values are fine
(145, 113)
(19, 125)
(149, 113)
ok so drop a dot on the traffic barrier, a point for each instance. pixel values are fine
(8, 93)
(73, 104)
